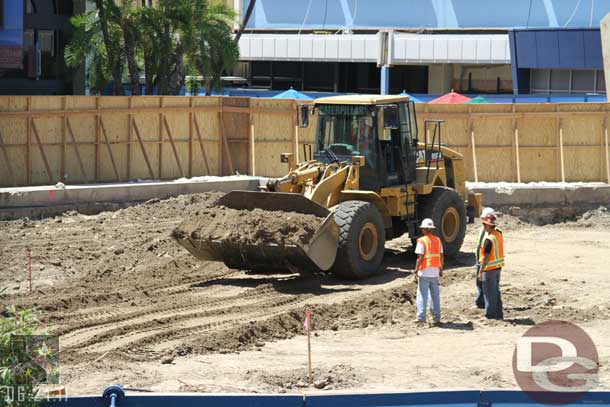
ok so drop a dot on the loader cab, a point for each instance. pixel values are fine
(384, 132)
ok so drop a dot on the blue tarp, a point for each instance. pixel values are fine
(291, 94)
(411, 97)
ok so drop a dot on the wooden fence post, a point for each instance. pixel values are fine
(252, 161)
(607, 152)
(561, 161)
(190, 167)
(161, 139)
(221, 166)
(473, 146)
(98, 157)
(517, 163)
(130, 124)
(62, 164)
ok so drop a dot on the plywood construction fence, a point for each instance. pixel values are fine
(80, 139)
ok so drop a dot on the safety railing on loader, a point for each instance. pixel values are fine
(430, 153)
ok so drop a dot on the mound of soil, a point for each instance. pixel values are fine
(378, 308)
(258, 226)
(336, 377)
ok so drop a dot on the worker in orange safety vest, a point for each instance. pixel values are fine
(429, 268)
(480, 300)
(491, 254)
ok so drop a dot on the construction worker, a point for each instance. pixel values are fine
(480, 301)
(492, 261)
(429, 268)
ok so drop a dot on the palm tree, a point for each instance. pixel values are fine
(216, 51)
(107, 10)
(169, 39)
(128, 19)
(87, 42)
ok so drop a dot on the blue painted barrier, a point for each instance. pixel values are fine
(469, 398)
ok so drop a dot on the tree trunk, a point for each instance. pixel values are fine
(164, 63)
(130, 53)
(150, 85)
(115, 65)
(178, 73)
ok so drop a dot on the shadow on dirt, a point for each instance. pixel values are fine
(458, 326)
(396, 265)
(318, 284)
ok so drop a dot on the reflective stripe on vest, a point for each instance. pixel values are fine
(432, 252)
(496, 257)
(480, 241)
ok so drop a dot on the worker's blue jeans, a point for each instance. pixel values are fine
(425, 285)
(491, 292)
(480, 300)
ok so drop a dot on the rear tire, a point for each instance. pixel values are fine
(361, 240)
(446, 208)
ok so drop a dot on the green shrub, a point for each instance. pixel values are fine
(26, 359)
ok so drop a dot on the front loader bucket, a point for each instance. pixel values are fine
(272, 201)
(317, 253)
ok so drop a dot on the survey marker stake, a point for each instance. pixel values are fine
(307, 326)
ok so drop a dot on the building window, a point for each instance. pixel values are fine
(578, 81)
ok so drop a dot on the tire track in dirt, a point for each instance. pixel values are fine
(81, 336)
(163, 331)
(86, 319)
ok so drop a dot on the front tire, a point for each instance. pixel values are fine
(446, 208)
(361, 240)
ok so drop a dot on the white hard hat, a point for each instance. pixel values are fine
(427, 224)
(490, 219)
(487, 211)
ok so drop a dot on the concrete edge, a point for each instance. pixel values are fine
(541, 197)
(45, 202)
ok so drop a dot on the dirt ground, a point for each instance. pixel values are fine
(132, 306)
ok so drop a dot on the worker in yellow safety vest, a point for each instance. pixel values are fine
(429, 267)
(492, 255)
(479, 302)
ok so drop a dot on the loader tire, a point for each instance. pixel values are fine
(446, 208)
(361, 240)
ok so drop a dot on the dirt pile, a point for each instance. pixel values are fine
(583, 216)
(375, 309)
(248, 227)
(332, 378)
(112, 256)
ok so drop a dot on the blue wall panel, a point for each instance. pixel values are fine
(556, 49)
(593, 50)
(526, 56)
(547, 49)
(571, 51)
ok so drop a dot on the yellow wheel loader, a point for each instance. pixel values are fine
(371, 177)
